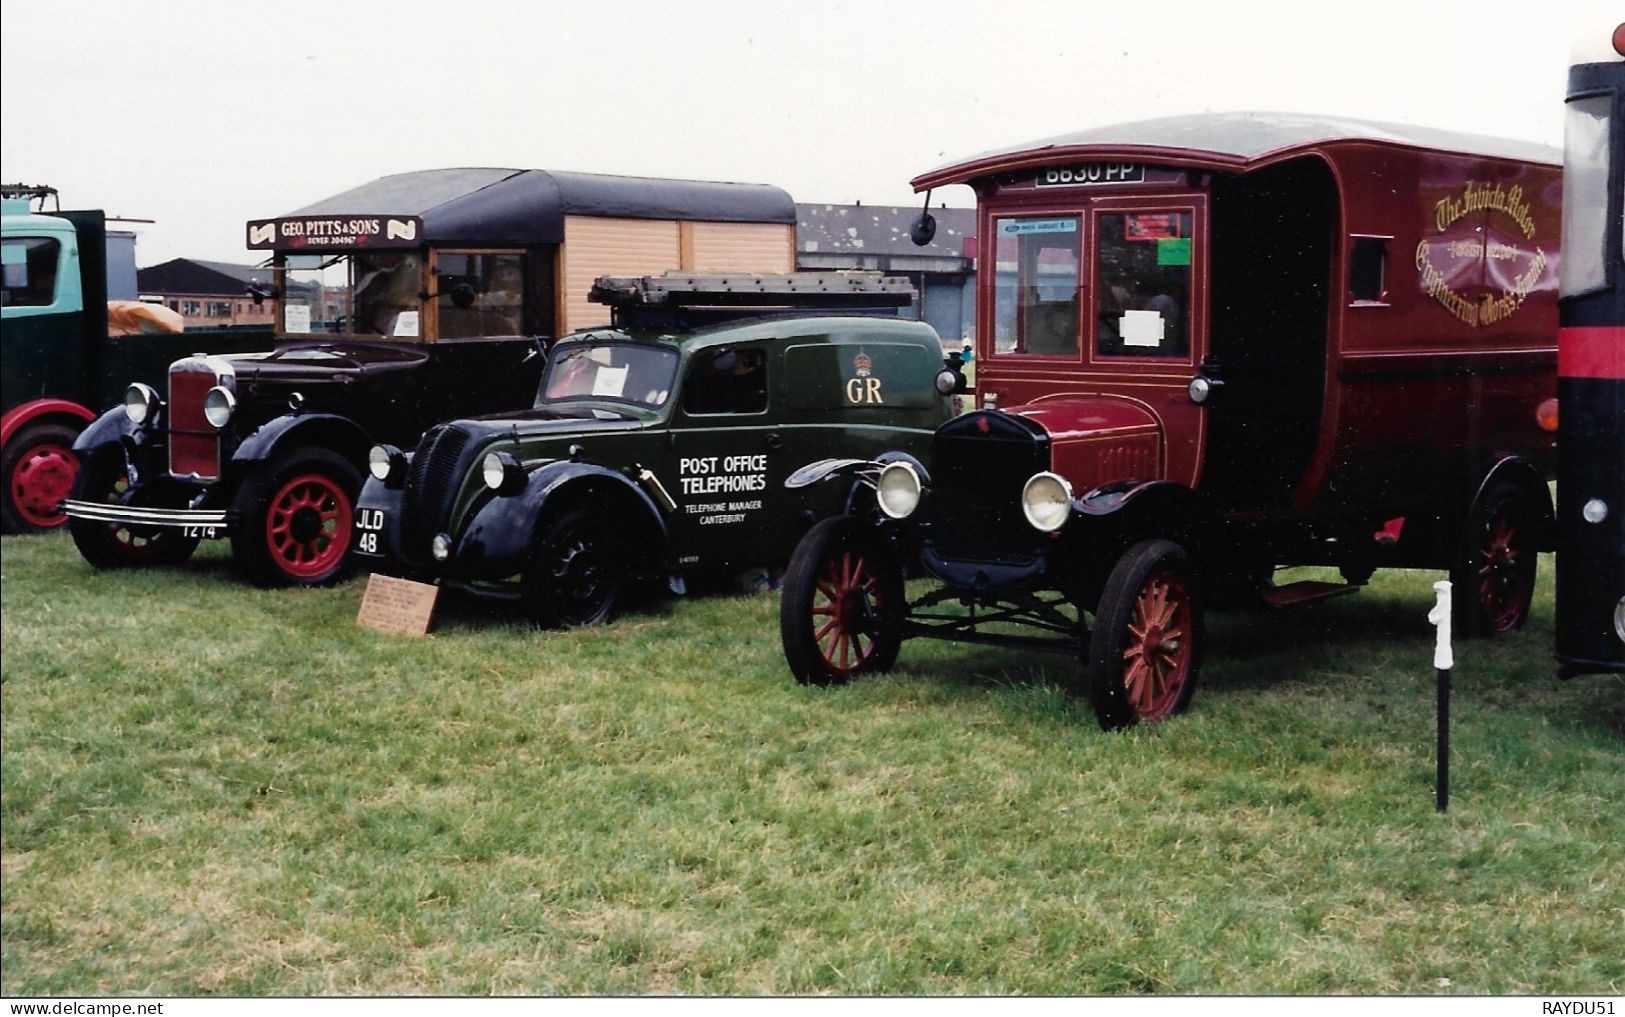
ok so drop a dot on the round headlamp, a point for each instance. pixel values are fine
(1619, 619)
(218, 406)
(898, 490)
(1199, 389)
(947, 381)
(1594, 511)
(386, 463)
(1046, 501)
(502, 472)
(140, 403)
(440, 547)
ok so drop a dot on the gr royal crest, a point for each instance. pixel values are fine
(863, 388)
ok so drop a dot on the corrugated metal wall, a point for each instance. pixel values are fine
(595, 247)
(740, 247)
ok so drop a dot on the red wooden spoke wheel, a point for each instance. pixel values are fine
(103, 478)
(1146, 642)
(1494, 578)
(1506, 568)
(1157, 659)
(844, 611)
(39, 480)
(842, 607)
(308, 525)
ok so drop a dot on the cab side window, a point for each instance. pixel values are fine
(726, 381)
(30, 271)
(484, 294)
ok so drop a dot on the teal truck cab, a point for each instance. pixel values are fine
(61, 367)
(659, 449)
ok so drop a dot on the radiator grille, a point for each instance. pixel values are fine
(194, 446)
(976, 495)
(431, 483)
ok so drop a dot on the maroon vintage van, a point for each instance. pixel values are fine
(1209, 347)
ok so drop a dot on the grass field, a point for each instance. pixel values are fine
(213, 789)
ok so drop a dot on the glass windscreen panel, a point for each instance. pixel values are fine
(1585, 192)
(479, 294)
(1143, 284)
(1035, 286)
(30, 271)
(365, 294)
(631, 373)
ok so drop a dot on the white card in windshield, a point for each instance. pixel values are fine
(610, 381)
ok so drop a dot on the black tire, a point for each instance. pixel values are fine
(38, 470)
(1145, 648)
(104, 478)
(1493, 581)
(841, 612)
(296, 520)
(575, 575)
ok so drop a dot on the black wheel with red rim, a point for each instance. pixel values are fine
(104, 478)
(1146, 643)
(841, 611)
(575, 575)
(39, 466)
(1493, 582)
(296, 521)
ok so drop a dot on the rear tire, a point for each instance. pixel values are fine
(38, 466)
(1493, 582)
(841, 612)
(297, 520)
(104, 478)
(1146, 643)
(574, 577)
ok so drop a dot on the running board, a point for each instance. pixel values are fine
(1308, 591)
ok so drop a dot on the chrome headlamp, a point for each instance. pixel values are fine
(386, 463)
(218, 406)
(1046, 501)
(898, 490)
(140, 403)
(502, 473)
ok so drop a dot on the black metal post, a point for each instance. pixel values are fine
(1442, 782)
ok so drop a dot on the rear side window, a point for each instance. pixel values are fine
(30, 271)
(726, 381)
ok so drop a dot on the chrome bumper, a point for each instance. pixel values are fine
(131, 515)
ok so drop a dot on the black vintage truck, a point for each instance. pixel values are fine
(658, 448)
(414, 299)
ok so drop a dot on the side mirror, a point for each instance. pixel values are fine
(462, 296)
(923, 230)
(259, 294)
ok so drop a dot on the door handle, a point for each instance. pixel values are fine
(774, 443)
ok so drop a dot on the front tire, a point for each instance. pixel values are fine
(1144, 649)
(1494, 579)
(842, 607)
(297, 523)
(104, 478)
(39, 466)
(574, 578)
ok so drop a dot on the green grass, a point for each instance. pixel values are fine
(213, 789)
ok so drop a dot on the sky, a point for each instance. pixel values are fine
(202, 114)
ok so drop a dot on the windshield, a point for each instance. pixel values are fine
(617, 372)
(353, 294)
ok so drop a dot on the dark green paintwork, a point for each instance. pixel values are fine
(837, 387)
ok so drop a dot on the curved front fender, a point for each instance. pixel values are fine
(497, 539)
(111, 427)
(326, 430)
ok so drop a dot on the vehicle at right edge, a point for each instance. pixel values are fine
(1210, 347)
(1591, 369)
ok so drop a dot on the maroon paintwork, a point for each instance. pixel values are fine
(1457, 351)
